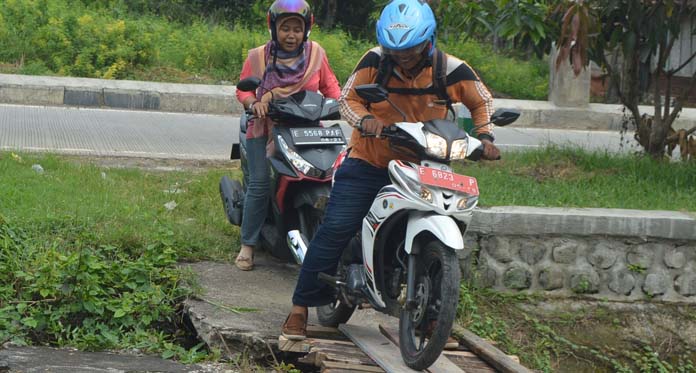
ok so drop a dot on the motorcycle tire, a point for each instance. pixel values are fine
(232, 199)
(423, 331)
(334, 314)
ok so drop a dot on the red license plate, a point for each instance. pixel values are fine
(448, 180)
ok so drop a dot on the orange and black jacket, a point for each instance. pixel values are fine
(463, 85)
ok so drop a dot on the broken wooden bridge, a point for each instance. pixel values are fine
(356, 348)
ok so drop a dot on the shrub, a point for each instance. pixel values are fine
(70, 38)
(68, 293)
(507, 76)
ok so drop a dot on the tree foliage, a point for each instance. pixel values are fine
(514, 25)
(643, 33)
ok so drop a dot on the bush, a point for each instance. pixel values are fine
(506, 76)
(68, 293)
(67, 37)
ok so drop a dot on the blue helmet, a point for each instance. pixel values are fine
(405, 24)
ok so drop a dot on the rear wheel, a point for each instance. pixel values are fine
(338, 312)
(423, 330)
(334, 314)
(232, 199)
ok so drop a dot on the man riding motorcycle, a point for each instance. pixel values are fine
(423, 82)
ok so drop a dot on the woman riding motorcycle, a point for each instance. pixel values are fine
(286, 64)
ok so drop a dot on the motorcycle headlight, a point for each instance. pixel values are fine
(297, 161)
(413, 186)
(436, 146)
(459, 148)
(467, 202)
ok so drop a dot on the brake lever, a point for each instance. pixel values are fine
(387, 131)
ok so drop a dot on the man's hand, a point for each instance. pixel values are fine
(372, 126)
(490, 151)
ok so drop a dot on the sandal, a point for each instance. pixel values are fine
(244, 263)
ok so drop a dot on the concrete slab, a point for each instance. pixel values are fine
(128, 99)
(37, 94)
(263, 298)
(83, 97)
(44, 359)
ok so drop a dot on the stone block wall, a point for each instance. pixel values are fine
(532, 250)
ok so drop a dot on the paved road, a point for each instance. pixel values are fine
(196, 136)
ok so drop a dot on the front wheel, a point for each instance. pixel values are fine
(424, 329)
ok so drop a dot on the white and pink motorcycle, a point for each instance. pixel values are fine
(404, 262)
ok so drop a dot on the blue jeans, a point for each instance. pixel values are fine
(356, 184)
(256, 198)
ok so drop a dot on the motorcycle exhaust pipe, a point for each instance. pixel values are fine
(298, 245)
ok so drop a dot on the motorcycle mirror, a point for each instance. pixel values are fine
(372, 93)
(503, 117)
(249, 84)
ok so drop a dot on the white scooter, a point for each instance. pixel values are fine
(404, 262)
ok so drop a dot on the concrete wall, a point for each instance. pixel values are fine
(618, 255)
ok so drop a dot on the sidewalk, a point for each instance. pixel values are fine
(127, 94)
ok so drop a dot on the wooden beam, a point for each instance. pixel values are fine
(439, 364)
(285, 344)
(350, 367)
(493, 356)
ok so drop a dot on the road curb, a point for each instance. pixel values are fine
(219, 99)
(520, 220)
(120, 94)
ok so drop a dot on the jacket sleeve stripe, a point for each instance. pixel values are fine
(488, 99)
(348, 114)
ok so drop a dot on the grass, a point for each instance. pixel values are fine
(566, 177)
(124, 207)
(579, 338)
(84, 246)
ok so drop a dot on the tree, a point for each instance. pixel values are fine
(644, 32)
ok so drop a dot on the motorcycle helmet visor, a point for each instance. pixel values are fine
(408, 52)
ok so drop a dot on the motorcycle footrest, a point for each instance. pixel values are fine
(331, 280)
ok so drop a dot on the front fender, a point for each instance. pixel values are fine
(444, 228)
(315, 195)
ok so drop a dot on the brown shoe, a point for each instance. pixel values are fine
(295, 327)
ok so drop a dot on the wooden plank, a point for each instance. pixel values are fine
(350, 367)
(317, 331)
(306, 345)
(471, 364)
(285, 344)
(385, 353)
(360, 358)
(377, 347)
(493, 356)
(440, 365)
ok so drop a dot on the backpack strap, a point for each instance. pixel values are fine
(438, 88)
(384, 70)
(440, 78)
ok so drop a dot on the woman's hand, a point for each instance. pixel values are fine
(260, 109)
(490, 151)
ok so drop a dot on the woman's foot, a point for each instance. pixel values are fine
(245, 259)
